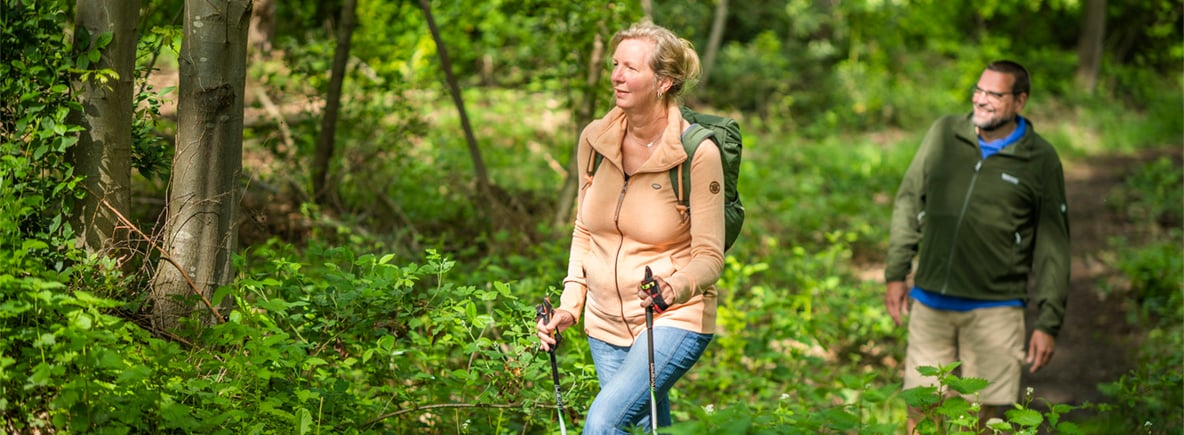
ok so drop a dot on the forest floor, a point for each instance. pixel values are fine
(1098, 342)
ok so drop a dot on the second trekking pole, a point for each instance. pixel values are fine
(544, 312)
(647, 285)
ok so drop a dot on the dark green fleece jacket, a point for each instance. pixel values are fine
(982, 226)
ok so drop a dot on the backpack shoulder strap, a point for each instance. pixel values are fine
(594, 162)
(691, 139)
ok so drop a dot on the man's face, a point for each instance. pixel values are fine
(995, 105)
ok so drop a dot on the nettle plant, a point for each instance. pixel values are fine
(946, 411)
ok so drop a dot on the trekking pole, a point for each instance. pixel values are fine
(544, 311)
(646, 286)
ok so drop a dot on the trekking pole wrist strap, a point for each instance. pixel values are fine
(659, 303)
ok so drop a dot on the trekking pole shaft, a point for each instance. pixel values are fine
(558, 396)
(649, 325)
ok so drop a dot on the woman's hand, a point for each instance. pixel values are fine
(667, 293)
(560, 321)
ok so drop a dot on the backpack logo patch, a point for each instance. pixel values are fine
(714, 187)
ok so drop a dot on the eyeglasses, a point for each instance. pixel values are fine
(991, 95)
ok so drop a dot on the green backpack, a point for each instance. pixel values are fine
(725, 133)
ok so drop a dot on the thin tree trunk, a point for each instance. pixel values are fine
(201, 231)
(325, 142)
(1089, 45)
(483, 187)
(713, 41)
(104, 149)
(584, 115)
(262, 29)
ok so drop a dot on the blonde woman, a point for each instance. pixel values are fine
(629, 218)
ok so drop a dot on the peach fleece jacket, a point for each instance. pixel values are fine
(623, 226)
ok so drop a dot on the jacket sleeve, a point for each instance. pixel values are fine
(1051, 256)
(575, 284)
(707, 225)
(907, 209)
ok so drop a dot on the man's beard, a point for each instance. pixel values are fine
(991, 124)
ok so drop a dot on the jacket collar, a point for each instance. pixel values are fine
(606, 134)
(1022, 148)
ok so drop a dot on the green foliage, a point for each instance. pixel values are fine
(945, 408)
(1153, 194)
(151, 153)
(1148, 396)
(36, 182)
(67, 362)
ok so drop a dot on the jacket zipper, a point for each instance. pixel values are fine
(617, 257)
(958, 227)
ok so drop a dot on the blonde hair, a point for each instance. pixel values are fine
(673, 57)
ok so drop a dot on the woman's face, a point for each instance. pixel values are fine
(633, 81)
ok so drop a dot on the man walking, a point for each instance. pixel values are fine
(983, 205)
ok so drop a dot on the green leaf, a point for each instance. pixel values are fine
(920, 397)
(954, 407)
(303, 421)
(928, 371)
(82, 321)
(45, 340)
(1025, 417)
(999, 425)
(104, 39)
(968, 385)
(313, 362)
(1069, 428)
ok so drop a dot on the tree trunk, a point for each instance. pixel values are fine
(201, 224)
(104, 149)
(325, 142)
(1089, 45)
(584, 115)
(262, 29)
(483, 187)
(717, 33)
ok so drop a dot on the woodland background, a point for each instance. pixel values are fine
(337, 216)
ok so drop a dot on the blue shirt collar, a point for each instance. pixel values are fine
(991, 147)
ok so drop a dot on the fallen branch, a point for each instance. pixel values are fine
(164, 255)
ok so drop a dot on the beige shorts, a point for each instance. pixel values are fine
(988, 341)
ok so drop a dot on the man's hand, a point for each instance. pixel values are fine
(896, 299)
(1040, 349)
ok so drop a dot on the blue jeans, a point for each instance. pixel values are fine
(624, 374)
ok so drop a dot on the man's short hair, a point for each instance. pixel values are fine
(1022, 83)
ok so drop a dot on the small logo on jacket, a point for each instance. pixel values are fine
(714, 187)
(1010, 178)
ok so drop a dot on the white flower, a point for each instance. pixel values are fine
(710, 408)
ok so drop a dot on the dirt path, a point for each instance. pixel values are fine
(1096, 344)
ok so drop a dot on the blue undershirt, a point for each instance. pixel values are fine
(955, 303)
